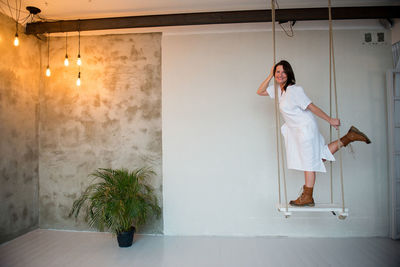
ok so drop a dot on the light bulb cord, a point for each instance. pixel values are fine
(79, 43)
(48, 49)
(66, 44)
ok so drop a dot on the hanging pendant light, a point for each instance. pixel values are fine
(66, 62)
(48, 72)
(79, 61)
(16, 40)
(17, 16)
(78, 81)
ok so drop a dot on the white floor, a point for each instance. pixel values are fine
(62, 248)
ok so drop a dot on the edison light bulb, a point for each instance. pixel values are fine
(66, 62)
(78, 81)
(79, 61)
(16, 41)
(48, 72)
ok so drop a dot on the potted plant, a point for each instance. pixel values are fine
(118, 200)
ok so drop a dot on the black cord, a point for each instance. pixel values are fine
(66, 44)
(48, 49)
(79, 42)
(26, 18)
(291, 34)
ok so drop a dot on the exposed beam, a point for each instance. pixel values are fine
(338, 13)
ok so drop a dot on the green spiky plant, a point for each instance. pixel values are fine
(118, 200)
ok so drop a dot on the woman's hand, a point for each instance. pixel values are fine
(262, 90)
(334, 122)
(271, 72)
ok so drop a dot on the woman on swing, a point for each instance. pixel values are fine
(305, 146)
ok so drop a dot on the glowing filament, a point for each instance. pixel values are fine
(78, 81)
(16, 40)
(48, 72)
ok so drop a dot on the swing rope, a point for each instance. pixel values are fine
(279, 148)
(332, 63)
(276, 102)
(330, 100)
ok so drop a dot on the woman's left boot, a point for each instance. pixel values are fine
(305, 199)
(354, 135)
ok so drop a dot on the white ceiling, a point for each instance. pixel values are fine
(81, 9)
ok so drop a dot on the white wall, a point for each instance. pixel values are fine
(219, 159)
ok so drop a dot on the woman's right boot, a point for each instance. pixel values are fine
(306, 198)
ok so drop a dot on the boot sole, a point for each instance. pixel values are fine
(354, 129)
(304, 205)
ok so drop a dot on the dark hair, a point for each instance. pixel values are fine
(289, 73)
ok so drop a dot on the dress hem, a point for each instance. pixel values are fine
(299, 169)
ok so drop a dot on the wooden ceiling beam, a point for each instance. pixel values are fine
(223, 17)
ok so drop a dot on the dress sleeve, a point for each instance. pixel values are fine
(271, 91)
(301, 98)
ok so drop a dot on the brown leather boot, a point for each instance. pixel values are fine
(305, 199)
(354, 135)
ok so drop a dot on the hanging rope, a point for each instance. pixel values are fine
(276, 102)
(332, 63)
(330, 103)
(279, 148)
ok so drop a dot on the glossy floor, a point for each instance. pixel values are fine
(63, 248)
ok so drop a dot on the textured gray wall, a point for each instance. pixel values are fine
(19, 90)
(112, 120)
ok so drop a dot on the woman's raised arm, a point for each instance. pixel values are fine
(262, 90)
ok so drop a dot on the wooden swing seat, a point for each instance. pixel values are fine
(335, 209)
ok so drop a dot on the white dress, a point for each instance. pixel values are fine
(305, 146)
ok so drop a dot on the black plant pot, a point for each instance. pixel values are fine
(125, 239)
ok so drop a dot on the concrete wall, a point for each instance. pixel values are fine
(112, 120)
(19, 90)
(219, 156)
